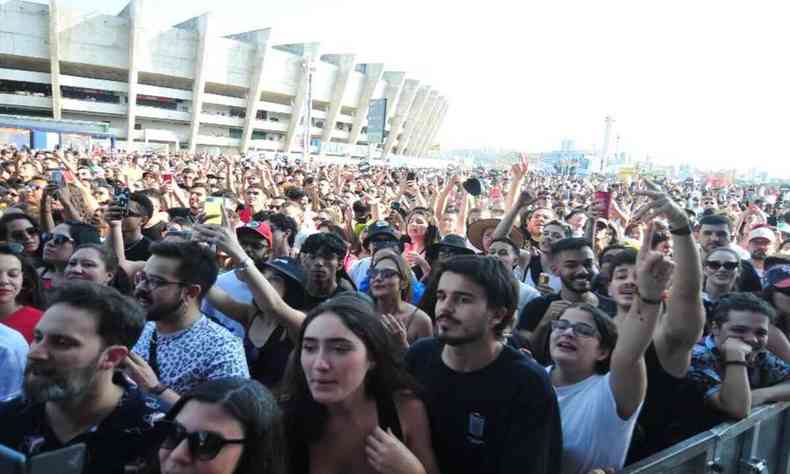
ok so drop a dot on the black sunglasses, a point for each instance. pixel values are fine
(24, 233)
(203, 445)
(384, 272)
(57, 239)
(715, 265)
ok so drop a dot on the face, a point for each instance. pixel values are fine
(717, 271)
(256, 247)
(157, 289)
(576, 269)
(577, 351)
(11, 278)
(87, 264)
(334, 360)
(385, 279)
(708, 203)
(418, 226)
(623, 285)
(781, 301)
(65, 356)
(462, 312)
(197, 196)
(538, 219)
(135, 218)
(577, 221)
(26, 171)
(449, 222)
(36, 191)
(60, 246)
(748, 326)
(551, 234)
(713, 236)
(21, 231)
(102, 195)
(321, 268)
(504, 253)
(255, 198)
(488, 236)
(197, 416)
(759, 248)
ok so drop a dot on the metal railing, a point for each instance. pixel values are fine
(757, 444)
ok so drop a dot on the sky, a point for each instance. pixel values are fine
(699, 82)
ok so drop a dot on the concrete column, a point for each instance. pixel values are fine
(373, 73)
(136, 25)
(393, 91)
(434, 129)
(415, 112)
(54, 58)
(260, 39)
(345, 64)
(425, 126)
(422, 123)
(405, 102)
(309, 54)
(205, 27)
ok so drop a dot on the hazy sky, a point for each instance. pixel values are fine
(698, 82)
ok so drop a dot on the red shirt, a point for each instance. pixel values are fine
(24, 320)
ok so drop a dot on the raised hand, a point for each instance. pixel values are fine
(660, 204)
(653, 269)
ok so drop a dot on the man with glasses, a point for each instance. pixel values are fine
(180, 347)
(72, 390)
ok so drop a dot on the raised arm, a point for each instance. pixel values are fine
(504, 226)
(519, 172)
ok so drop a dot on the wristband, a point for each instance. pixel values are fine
(736, 362)
(245, 264)
(685, 230)
(649, 301)
(159, 389)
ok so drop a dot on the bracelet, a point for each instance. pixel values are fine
(245, 264)
(159, 389)
(685, 230)
(736, 362)
(649, 301)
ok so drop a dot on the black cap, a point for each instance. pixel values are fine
(378, 230)
(453, 242)
(473, 186)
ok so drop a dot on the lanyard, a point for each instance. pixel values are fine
(152, 353)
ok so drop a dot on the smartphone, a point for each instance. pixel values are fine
(167, 178)
(122, 198)
(213, 209)
(543, 279)
(57, 178)
(603, 201)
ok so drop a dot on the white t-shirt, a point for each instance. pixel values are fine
(593, 434)
(526, 293)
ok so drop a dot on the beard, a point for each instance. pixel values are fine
(165, 311)
(44, 384)
(470, 334)
(758, 254)
(577, 285)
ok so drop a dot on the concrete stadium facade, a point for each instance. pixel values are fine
(188, 86)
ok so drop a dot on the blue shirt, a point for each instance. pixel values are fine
(13, 358)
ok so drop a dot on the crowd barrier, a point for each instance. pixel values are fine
(757, 444)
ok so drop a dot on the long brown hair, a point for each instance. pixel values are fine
(403, 269)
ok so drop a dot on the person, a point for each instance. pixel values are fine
(731, 367)
(349, 404)
(716, 231)
(507, 252)
(139, 210)
(321, 255)
(20, 294)
(72, 390)
(422, 232)
(721, 268)
(13, 353)
(91, 262)
(180, 347)
(380, 234)
(777, 294)
(449, 246)
(599, 369)
(22, 229)
(224, 426)
(491, 408)
(390, 288)
(761, 239)
(58, 248)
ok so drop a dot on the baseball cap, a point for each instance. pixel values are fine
(256, 228)
(762, 232)
(380, 230)
(778, 277)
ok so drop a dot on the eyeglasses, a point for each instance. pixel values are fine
(384, 273)
(203, 445)
(56, 239)
(24, 233)
(579, 329)
(153, 282)
(12, 248)
(716, 265)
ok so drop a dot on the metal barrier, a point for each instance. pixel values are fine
(757, 444)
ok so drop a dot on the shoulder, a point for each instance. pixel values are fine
(523, 371)
(12, 340)
(423, 352)
(217, 334)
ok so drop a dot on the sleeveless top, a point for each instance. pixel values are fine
(299, 462)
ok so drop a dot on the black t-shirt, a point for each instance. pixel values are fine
(311, 301)
(501, 419)
(749, 279)
(155, 232)
(138, 251)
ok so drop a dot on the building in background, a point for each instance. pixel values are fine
(189, 88)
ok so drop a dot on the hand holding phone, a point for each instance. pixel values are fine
(213, 207)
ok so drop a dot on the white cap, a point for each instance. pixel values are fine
(762, 232)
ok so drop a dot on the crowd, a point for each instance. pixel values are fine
(206, 314)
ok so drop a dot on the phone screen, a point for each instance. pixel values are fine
(213, 209)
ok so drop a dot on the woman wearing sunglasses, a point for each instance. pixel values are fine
(224, 426)
(721, 268)
(58, 248)
(20, 295)
(390, 287)
(349, 402)
(22, 229)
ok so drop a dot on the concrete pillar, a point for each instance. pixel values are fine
(309, 55)
(405, 102)
(425, 126)
(434, 129)
(205, 27)
(345, 64)
(136, 25)
(393, 91)
(415, 112)
(54, 59)
(422, 124)
(373, 73)
(260, 39)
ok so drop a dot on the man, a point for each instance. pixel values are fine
(731, 367)
(491, 408)
(506, 251)
(254, 201)
(284, 230)
(574, 261)
(197, 196)
(716, 231)
(139, 210)
(73, 393)
(180, 347)
(761, 241)
(322, 255)
(537, 219)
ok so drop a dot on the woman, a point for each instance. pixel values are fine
(350, 405)
(58, 248)
(721, 268)
(22, 229)
(94, 262)
(20, 294)
(423, 232)
(224, 426)
(390, 288)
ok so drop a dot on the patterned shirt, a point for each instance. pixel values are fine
(185, 359)
(707, 368)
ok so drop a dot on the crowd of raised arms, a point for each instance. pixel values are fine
(227, 314)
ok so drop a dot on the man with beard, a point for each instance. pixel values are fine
(180, 347)
(761, 240)
(716, 231)
(574, 261)
(72, 392)
(491, 408)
